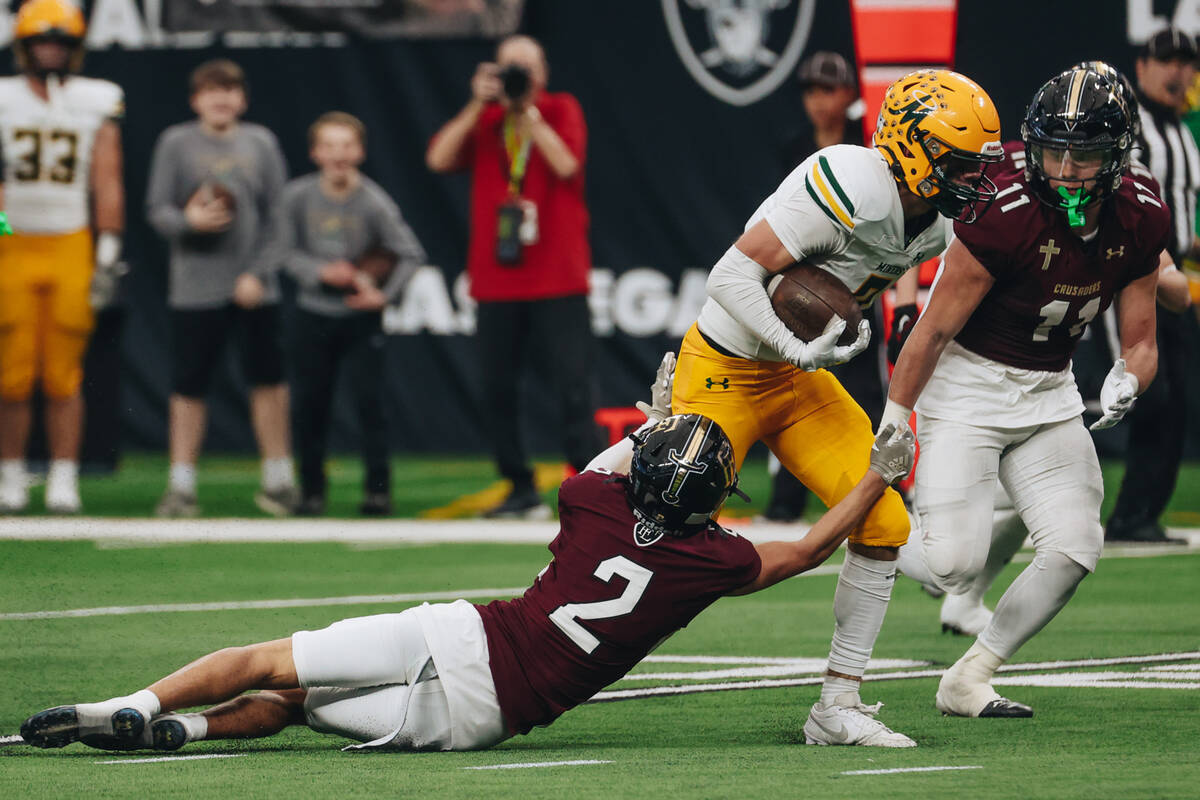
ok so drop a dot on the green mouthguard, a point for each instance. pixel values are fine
(1072, 203)
(5, 228)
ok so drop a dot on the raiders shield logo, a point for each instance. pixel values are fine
(739, 50)
(646, 533)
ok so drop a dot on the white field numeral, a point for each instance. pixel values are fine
(566, 616)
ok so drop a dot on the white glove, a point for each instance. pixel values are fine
(824, 351)
(106, 275)
(659, 407)
(1116, 396)
(893, 452)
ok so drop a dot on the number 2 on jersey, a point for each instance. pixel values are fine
(566, 616)
(1054, 312)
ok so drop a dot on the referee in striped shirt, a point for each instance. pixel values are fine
(1165, 71)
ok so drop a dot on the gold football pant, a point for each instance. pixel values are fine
(45, 314)
(807, 420)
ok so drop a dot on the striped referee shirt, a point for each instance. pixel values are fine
(1169, 151)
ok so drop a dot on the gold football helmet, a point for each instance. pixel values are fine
(938, 131)
(48, 19)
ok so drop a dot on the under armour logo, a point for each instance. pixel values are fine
(1119, 252)
(709, 383)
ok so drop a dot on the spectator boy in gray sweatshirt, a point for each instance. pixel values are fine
(213, 182)
(325, 224)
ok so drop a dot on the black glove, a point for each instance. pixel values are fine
(903, 318)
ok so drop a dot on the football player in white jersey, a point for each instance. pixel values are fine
(62, 153)
(866, 215)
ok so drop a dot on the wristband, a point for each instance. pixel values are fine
(894, 412)
(108, 248)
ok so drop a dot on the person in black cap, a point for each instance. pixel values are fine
(831, 104)
(1166, 68)
(834, 111)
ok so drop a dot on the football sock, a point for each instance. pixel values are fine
(196, 725)
(97, 717)
(978, 664)
(183, 478)
(1038, 593)
(859, 604)
(12, 469)
(277, 473)
(63, 471)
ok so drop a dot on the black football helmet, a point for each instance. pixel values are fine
(1079, 116)
(1128, 93)
(682, 472)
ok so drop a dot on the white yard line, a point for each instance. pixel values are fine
(297, 602)
(163, 759)
(528, 764)
(906, 769)
(141, 531)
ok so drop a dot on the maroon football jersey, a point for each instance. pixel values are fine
(613, 592)
(1050, 283)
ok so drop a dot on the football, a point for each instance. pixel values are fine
(212, 190)
(805, 297)
(378, 263)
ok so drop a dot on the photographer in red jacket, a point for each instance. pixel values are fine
(529, 258)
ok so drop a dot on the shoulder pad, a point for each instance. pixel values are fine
(101, 96)
(851, 184)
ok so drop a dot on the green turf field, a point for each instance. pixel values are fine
(227, 485)
(1089, 742)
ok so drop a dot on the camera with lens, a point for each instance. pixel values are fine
(514, 79)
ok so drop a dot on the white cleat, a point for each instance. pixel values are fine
(963, 615)
(62, 497)
(854, 723)
(960, 696)
(14, 493)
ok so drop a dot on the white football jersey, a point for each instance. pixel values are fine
(47, 149)
(839, 210)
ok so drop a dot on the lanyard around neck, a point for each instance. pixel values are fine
(517, 149)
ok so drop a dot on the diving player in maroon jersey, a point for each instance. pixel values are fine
(637, 557)
(990, 359)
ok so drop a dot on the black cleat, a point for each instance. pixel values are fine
(54, 727)
(169, 734)
(58, 727)
(1003, 707)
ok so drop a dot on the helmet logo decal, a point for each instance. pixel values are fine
(686, 462)
(647, 533)
(739, 50)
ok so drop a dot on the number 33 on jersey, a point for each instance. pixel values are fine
(47, 149)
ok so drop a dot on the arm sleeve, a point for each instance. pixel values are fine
(274, 175)
(738, 284)
(161, 210)
(396, 237)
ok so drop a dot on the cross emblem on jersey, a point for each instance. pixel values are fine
(1119, 252)
(1050, 252)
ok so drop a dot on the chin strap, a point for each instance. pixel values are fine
(1072, 203)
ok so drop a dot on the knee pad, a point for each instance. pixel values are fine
(954, 568)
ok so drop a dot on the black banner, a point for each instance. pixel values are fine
(376, 19)
(685, 139)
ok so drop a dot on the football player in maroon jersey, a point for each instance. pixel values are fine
(990, 358)
(637, 557)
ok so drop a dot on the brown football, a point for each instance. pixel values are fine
(377, 263)
(805, 297)
(212, 190)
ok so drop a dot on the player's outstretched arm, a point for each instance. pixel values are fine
(892, 458)
(960, 288)
(619, 457)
